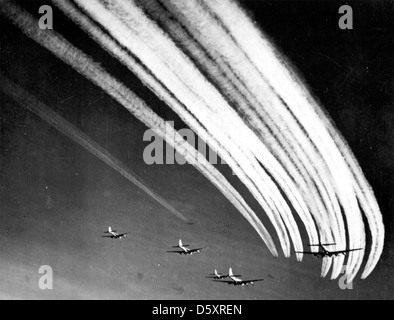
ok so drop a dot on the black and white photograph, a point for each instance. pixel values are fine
(196, 150)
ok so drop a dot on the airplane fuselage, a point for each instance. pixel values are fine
(329, 253)
(188, 251)
(114, 235)
(185, 250)
(326, 253)
(239, 282)
(117, 236)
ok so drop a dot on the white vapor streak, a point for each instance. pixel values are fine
(84, 65)
(272, 71)
(211, 65)
(207, 29)
(347, 177)
(192, 99)
(63, 126)
(224, 47)
(187, 8)
(234, 66)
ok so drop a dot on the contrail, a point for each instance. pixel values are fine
(84, 65)
(52, 118)
(230, 85)
(234, 149)
(211, 65)
(224, 47)
(346, 173)
(202, 132)
(320, 149)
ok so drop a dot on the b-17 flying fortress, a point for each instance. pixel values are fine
(185, 250)
(218, 276)
(235, 281)
(326, 253)
(231, 278)
(113, 235)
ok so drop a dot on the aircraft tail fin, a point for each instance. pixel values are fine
(180, 243)
(109, 229)
(230, 272)
(216, 273)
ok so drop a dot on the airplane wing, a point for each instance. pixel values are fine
(345, 251)
(225, 281)
(198, 249)
(224, 276)
(107, 236)
(240, 283)
(251, 281)
(309, 252)
(189, 252)
(122, 234)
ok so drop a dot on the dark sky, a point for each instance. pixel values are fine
(349, 71)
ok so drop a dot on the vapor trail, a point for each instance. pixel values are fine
(231, 151)
(84, 65)
(280, 132)
(315, 142)
(208, 41)
(340, 161)
(52, 118)
(303, 154)
(211, 65)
